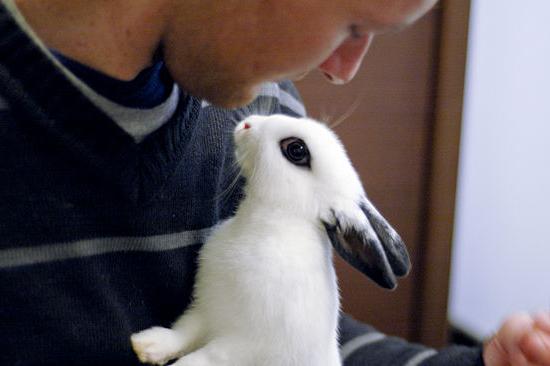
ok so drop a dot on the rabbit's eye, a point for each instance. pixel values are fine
(296, 151)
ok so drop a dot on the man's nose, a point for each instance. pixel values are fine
(342, 65)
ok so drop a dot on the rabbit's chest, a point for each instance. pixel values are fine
(287, 275)
(287, 258)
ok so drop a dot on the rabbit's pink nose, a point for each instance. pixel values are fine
(246, 126)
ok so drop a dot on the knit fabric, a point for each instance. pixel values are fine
(99, 234)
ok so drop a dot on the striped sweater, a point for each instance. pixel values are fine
(101, 222)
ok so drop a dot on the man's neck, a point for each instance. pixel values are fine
(118, 38)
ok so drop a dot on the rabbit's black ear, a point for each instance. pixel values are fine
(370, 245)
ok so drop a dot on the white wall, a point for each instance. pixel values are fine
(501, 255)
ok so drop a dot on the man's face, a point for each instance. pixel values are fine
(222, 50)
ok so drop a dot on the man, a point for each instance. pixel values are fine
(112, 174)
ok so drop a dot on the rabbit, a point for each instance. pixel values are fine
(266, 292)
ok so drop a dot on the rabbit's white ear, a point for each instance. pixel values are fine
(367, 242)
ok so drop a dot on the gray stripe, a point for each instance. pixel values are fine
(273, 90)
(292, 103)
(358, 342)
(286, 99)
(14, 257)
(420, 357)
(137, 122)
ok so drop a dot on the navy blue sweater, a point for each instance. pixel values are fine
(99, 234)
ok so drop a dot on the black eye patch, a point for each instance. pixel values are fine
(295, 150)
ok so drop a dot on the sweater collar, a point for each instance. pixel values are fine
(40, 93)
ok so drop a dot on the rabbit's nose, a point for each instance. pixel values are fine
(242, 126)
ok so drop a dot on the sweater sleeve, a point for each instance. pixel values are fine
(363, 345)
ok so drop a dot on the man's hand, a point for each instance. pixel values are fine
(523, 340)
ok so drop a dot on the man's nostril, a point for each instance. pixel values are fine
(328, 76)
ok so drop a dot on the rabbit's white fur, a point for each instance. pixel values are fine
(266, 292)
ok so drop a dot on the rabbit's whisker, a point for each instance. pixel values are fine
(236, 170)
(226, 193)
(352, 108)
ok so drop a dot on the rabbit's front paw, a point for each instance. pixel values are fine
(156, 345)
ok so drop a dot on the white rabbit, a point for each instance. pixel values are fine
(266, 292)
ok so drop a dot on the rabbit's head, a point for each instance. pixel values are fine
(299, 167)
